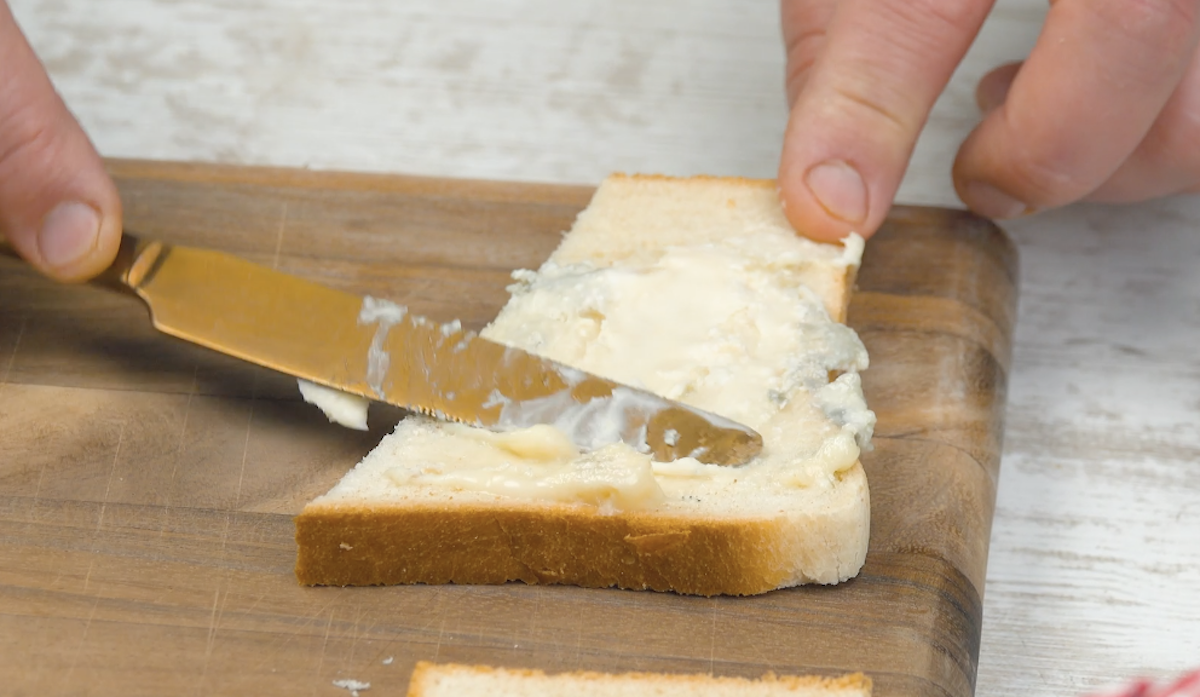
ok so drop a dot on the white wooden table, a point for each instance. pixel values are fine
(1095, 566)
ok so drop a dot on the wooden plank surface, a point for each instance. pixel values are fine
(147, 486)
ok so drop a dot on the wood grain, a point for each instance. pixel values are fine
(147, 487)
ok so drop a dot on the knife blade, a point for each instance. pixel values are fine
(379, 350)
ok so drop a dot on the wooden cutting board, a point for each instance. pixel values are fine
(147, 487)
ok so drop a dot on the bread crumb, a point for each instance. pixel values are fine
(354, 686)
(345, 546)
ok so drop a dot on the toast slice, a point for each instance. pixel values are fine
(454, 680)
(694, 288)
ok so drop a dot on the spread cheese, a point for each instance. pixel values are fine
(533, 463)
(727, 326)
(347, 409)
(339, 407)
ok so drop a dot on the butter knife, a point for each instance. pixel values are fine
(378, 350)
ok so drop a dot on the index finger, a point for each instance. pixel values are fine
(864, 101)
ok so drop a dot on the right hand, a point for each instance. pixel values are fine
(59, 209)
(1106, 108)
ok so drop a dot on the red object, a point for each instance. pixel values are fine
(1186, 686)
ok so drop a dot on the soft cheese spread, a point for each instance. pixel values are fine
(728, 326)
(347, 409)
(534, 463)
(341, 408)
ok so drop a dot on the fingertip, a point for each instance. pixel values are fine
(77, 241)
(979, 187)
(993, 87)
(988, 200)
(818, 201)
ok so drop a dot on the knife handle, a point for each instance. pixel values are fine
(136, 261)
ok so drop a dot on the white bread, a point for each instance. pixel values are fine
(695, 288)
(453, 680)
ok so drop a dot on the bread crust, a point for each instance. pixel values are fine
(425, 673)
(769, 184)
(472, 543)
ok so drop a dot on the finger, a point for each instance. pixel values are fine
(805, 26)
(993, 87)
(1167, 160)
(866, 97)
(1096, 79)
(58, 207)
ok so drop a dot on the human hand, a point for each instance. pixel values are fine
(1106, 108)
(58, 207)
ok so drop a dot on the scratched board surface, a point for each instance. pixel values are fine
(147, 487)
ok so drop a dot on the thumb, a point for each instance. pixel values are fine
(58, 207)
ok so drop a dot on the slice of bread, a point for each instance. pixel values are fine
(453, 680)
(697, 289)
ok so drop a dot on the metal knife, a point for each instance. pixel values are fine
(378, 350)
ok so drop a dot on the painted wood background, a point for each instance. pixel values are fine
(1094, 573)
